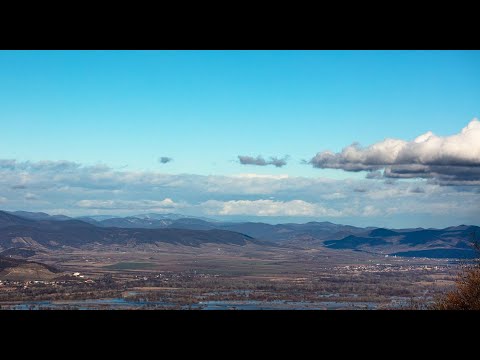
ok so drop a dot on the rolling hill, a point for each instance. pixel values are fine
(20, 232)
(452, 242)
(21, 270)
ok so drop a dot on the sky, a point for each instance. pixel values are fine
(270, 135)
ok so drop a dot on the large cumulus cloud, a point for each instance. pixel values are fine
(450, 160)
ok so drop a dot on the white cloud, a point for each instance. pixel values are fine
(30, 196)
(267, 208)
(370, 210)
(166, 204)
(333, 196)
(451, 160)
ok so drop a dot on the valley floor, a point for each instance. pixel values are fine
(226, 277)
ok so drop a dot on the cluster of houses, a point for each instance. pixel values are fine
(388, 268)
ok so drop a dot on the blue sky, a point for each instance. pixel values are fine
(125, 109)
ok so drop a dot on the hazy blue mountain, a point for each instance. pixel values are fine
(135, 223)
(455, 241)
(96, 217)
(313, 231)
(16, 231)
(8, 219)
(39, 216)
(146, 221)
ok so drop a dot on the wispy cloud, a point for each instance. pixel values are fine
(165, 160)
(19, 187)
(166, 204)
(61, 165)
(417, 190)
(30, 196)
(260, 161)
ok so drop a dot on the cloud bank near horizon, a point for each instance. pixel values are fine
(449, 160)
(75, 189)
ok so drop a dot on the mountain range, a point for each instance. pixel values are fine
(22, 229)
(16, 231)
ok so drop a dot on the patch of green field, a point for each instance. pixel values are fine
(131, 266)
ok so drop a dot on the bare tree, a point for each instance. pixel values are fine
(466, 295)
